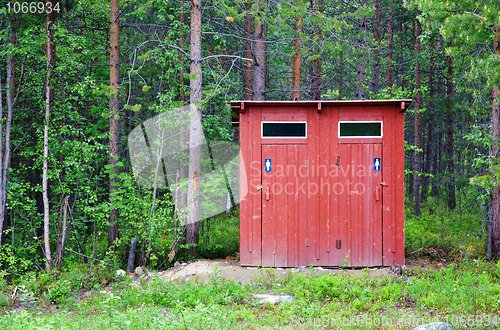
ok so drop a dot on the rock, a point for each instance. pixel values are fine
(120, 273)
(139, 271)
(176, 264)
(183, 264)
(434, 326)
(273, 299)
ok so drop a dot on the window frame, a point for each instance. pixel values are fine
(362, 122)
(282, 122)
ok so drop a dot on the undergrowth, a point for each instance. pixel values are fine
(466, 288)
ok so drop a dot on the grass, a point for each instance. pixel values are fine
(465, 294)
(467, 290)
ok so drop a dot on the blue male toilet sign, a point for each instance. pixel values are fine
(268, 167)
(377, 164)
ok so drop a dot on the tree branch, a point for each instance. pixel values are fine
(231, 56)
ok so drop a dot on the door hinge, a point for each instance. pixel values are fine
(337, 162)
(338, 244)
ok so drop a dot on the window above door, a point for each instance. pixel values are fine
(360, 129)
(283, 129)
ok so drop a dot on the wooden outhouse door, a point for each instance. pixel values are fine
(284, 201)
(360, 204)
(289, 193)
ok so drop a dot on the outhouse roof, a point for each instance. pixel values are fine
(404, 103)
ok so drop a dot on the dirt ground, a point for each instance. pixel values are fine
(231, 269)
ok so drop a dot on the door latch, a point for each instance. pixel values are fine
(383, 184)
(338, 244)
(259, 187)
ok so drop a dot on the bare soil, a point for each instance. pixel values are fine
(202, 269)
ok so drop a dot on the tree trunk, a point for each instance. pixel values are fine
(495, 225)
(318, 67)
(5, 155)
(2, 192)
(450, 163)
(183, 174)
(361, 70)
(297, 61)
(131, 255)
(431, 141)
(182, 94)
(376, 50)
(248, 52)
(114, 109)
(62, 234)
(50, 52)
(315, 66)
(390, 52)
(341, 74)
(418, 105)
(195, 131)
(259, 50)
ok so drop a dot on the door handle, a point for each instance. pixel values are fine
(377, 193)
(267, 194)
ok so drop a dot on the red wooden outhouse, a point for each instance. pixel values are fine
(321, 183)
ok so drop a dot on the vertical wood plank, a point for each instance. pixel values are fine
(256, 201)
(245, 228)
(344, 206)
(355, 153)
(324, 187)
(364, 176)
(399, 257)
(388, 191)
(302, 205)
(311, 188)
(291, 207)
(279, 197)
(333, 177)
(377, 212)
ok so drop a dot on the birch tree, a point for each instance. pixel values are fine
(195, 132)
(114, 108)
(5, 149)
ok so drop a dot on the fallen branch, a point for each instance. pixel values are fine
(83, 255)
(14, 294)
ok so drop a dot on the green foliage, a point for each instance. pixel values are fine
(467, 288)
(219, 236)
(438, 228)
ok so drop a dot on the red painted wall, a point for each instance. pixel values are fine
(327, 204)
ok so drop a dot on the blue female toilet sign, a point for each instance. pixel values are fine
(376, 164)
(268, 165)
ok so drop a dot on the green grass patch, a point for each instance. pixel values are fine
(460, 291)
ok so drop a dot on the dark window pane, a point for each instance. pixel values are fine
(361, 129)
(284, 129)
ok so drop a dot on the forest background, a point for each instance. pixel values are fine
(78, 76)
